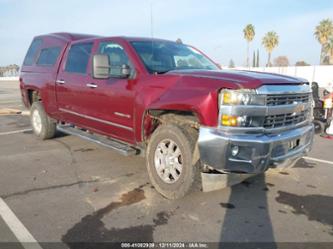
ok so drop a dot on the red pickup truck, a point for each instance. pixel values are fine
(168, 102)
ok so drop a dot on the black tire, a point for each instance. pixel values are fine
(189, 178)
(47, 127)
(319, 126)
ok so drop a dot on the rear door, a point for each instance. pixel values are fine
(71, 84)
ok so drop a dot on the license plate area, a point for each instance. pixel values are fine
(284, 147)
(293, 144)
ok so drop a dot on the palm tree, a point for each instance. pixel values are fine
(322, 32)
(249, 33)
(270, 41)
(328, 47)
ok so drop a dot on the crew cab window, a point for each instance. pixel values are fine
(117, 56)
(32, 52)
(48, 56)
(78, 58)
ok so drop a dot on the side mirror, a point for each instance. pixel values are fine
(125, 71)
(101, 66)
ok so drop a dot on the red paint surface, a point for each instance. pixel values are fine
(195, 91)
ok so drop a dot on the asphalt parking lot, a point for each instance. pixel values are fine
(69, 190)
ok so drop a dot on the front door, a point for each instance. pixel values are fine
(112, 100)
(104, 106)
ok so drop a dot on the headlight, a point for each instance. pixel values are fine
(241, 97)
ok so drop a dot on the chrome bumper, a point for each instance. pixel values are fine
(257, 152)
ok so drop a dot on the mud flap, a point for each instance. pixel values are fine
(211, 182)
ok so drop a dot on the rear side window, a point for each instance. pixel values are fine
(32, 52)
(78, 58)
(48, 56)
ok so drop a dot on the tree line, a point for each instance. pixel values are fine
(323, 33)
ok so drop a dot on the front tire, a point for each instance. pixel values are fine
(170, 161)
(42, 125)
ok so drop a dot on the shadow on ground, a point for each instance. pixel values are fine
(247, 217)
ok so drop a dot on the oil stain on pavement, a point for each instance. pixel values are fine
(91, 227)
(227, 205)
(315, 207)
(84, 150)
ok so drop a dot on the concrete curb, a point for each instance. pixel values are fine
(11, 111)
(13, 78)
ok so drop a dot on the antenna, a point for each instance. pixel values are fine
(151, 20)
(152, 31)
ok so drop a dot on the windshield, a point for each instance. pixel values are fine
(163, 56)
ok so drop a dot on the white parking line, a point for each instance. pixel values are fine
(14, 132)
(317, 160)
(18, 229)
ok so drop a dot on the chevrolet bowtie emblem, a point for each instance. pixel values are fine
(299, 108)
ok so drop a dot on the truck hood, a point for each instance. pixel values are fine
(244, 79)
(197, 90)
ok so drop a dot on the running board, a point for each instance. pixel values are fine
(121, 148)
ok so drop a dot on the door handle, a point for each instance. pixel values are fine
(91, 85)
(60, 82)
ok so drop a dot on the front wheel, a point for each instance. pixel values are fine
(170, 161)
(42, 125)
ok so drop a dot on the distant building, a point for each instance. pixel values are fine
(8, 71)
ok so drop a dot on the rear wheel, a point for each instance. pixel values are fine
(43, 126)
(170, 161)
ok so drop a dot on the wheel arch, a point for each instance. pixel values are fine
(33, 95)
(153, 118)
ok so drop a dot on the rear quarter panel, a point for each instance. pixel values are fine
(42, 78)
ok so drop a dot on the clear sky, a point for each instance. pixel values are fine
(213, 26)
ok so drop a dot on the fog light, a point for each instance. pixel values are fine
(229, 120)
(234, 150)
(240, 121)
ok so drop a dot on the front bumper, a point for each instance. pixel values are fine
(257, 152)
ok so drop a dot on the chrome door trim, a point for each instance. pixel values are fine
(122, 114)
(91, 85)
(97, 119)
(60, 82)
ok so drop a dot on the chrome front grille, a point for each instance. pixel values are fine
(275, 108)
(287, 99)
(287, 119)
